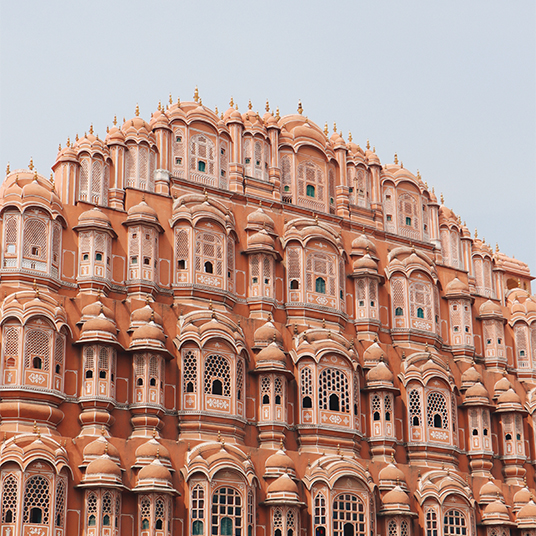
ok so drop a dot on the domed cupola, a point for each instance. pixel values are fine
(266, 334)
(148, 335)
(102, 472)
(99, 329)
(258, 220)
(154, 477)
(380, 377)
(271, 358)
(477, 394)
(526, 517)
(496, 513)
(501, 387)
(509, 401)
(391, 476)
(489, 492)
(98, 448)
(283, 491)
(521, 498)
(278, 464)
(396, 501)
(470, 377)
(150, 450)
(373, 355)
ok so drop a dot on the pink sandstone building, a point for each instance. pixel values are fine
(236, 324)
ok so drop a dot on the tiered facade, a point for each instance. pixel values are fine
(236, 325)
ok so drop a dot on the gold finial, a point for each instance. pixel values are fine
(277, 116)
(274, 338)
(154, 433)
(52, 178)
(267, 107)
(231, 103)
(216, 110)
(30, 165)
(281, 446)
(316, 219)
(200, 102)
(196, 94)
(170, 99)
(147, 300)
(107, 129)
(103, 431)
(519, 283)
(137, 110)
(106, 448)
(250, 106)
(403, 355)
(334, 127)
(338, 449)
(349, 136)
(396, 158)
(152, 315)
(159, 106)
(236, 106)
(496, 247)
(76, 137)
(326, 129)
(374, 149)
(7, 168)
(17, 179)
(36, 289)
(178, 102)
(38, 433)
(419, 175)
(221, 116)
(402, 164)
(476, 232)
(300, 107)
(324, 323)
(35, 427)
(115, 120)
(91, 128)
(219, 436)
(442, 198)
(59, 149)
(368, 144)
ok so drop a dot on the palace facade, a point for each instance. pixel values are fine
(240, 325)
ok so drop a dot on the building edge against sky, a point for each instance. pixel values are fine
(239, 324)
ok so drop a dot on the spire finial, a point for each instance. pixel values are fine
(103, 431)
(196, 94)
(147, 299)
(91, 128)
(8, 170)
(250, 106)
(419, 175)
(442, 198)
(368, 144)
(349, 136)
(219, 436)
(326, 129)
(154, 433)
(216, 110)
(267, 107)
(106, 448)
(496, 247)
(476, 232)
(281, 446)
(137, 110)
(316, 219)
(300, 107)
(324, 323)
(231, 103)
(115, 120)
(35, 427)
(170, 99)
(334, 127)
(76, 136)
(30, 165)
(159, 106)
(36, 289)
(178, 102)
(396, 158)
(277, 116)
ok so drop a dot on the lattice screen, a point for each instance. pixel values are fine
(333, 381)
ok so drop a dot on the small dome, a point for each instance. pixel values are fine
(145, 315)
(152, 449)
(149, 331)
(96, 308)
(528, 511)
(154, 471)
(392, 473)
(396, 496)
(380, 373)
(366, 262)
(261, 239)
(259, 218)
(495, 508)
(99, 447)
(471, 375)
(284, 484)
(456, 287)
(103, 466)
(510, 397)
(94, 215)
(502, 385)
(267, 332)
(280, 461)
(373, 353)
(530, 305)
(100, 323)
(489, 489)
(35, 189)
(522, 496)
(142, 210)
(477, 391)
(517, 307)
(272, 353)
(489, 308)
(363, 244)
(115, 136)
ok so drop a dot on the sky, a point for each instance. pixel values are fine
(449, 86)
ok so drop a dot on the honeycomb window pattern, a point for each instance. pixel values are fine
(217, 368)
(37, 496)
(437, 406)
(333, 382)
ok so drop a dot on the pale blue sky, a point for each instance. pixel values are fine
(449, 86)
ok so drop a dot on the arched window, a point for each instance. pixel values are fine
(159, 513)
(321, 272)
(408, 216)
(217, 377)
(251, 513)
(10, 487)
(311, 186)
(437, 411)
(145, 513)
(310, 190)
(59, 509)
(431, 523)
(454, 524)
(226, 519)
(333, 391)
(306, 387)
(37, 501)
(415, 411)
(349, 516)
(189, 371)
(202, 155)
(320, 285)
(420, 312)
(320, 513)
(198, 509)
(91, 506)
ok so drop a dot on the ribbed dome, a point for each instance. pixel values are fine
(280, 460)
(284, 484)
(396, 496)
(152, 449)
(94, 215)
(477, 391)
(142, 209)
(510, 397)
(149, 331)
(96, 308)
(471, 375)
(522, 496)
(489, 489)
(364, 244)
(261, 239)
(380, 373)
(261, 219)
(392, 472)
(100, 323)
(99, 447)
(457, 287)
(494, 508)
(366, 262)
(154, 471)
(103, 466)
(145, 314)
(528, 511)
(373, 352)
(502, 385)
(267, 332)
(271, 353)
(489, 308)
